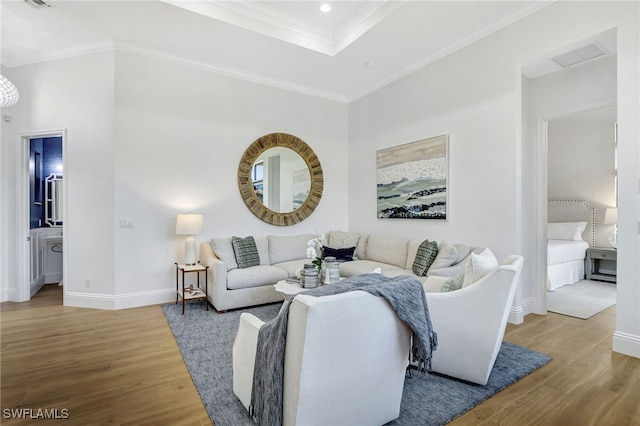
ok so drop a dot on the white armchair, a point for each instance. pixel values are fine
(345, 360)
(471, 322)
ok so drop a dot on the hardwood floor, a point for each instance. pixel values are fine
(124, 368)
(585, 383)
(105, 367)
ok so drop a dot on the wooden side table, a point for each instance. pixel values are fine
(191, 293)
(592, 266)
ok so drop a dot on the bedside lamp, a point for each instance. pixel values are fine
(611, 218)
(189, 225)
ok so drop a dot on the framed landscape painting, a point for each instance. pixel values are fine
(412, 180)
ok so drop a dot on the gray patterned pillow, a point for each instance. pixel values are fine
(340, 239)
(245, 251)
(453, 284)
(427, 252)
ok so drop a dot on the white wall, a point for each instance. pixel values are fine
(474, 95)
(74, 94)
(626, 338)
(180, 134)
(7, 217)
(147, 140)
(581, 165)
(7, 186)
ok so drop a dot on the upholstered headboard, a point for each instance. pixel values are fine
(574, 211)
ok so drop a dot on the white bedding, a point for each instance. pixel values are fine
(563, 251)
(565, 262)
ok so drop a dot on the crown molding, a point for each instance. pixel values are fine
(360, 21)
(228, 71)
(261, 18)
(176, 59)
(63, 54)
(478, 35)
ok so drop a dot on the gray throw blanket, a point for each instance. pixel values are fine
(405, 295)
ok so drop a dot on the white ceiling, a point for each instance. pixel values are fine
(358, 47)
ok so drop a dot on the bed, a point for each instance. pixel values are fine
(570, 231)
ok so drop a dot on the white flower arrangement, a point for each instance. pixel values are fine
(312, 252)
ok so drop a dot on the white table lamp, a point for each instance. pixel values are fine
(189, 225)
(611, 218)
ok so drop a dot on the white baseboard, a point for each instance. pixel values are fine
(53, 277)
(121, 301)
(531, 306)
(36, 285)
(88, 300)
(516, 315)
(626, 344)
(8, 295)
(145, 298)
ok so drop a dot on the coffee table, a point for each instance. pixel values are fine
(288, 289)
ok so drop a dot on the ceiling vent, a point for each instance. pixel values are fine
(579, 55)
(37, 4)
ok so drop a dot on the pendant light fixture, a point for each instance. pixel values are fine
(8, 93)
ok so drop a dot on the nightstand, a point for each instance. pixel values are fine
(601, 264)
(191, 293)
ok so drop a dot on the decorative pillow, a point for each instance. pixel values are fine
(427, 252)
(449, 254)
(283, 248)
(453, 284)
(390, 249)
(246, 251)
(463, 251)
(341, 254)
(478, 266)
(566, 230)
(361, 247)
(340, 239)
(262, 243)
(223, 248)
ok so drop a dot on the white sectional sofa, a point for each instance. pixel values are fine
(471, 322)
(231, 287)
(395, 255)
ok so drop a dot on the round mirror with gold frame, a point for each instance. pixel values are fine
(257, 167)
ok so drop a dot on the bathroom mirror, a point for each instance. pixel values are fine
(280, 179)
(53, 200)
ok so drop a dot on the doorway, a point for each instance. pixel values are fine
(581, 166)
(550, 92)
(41, 213)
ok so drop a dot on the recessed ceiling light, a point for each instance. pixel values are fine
(325, 7)
(369, 64)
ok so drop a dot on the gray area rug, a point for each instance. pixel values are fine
(205, 339)
(583, 299)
